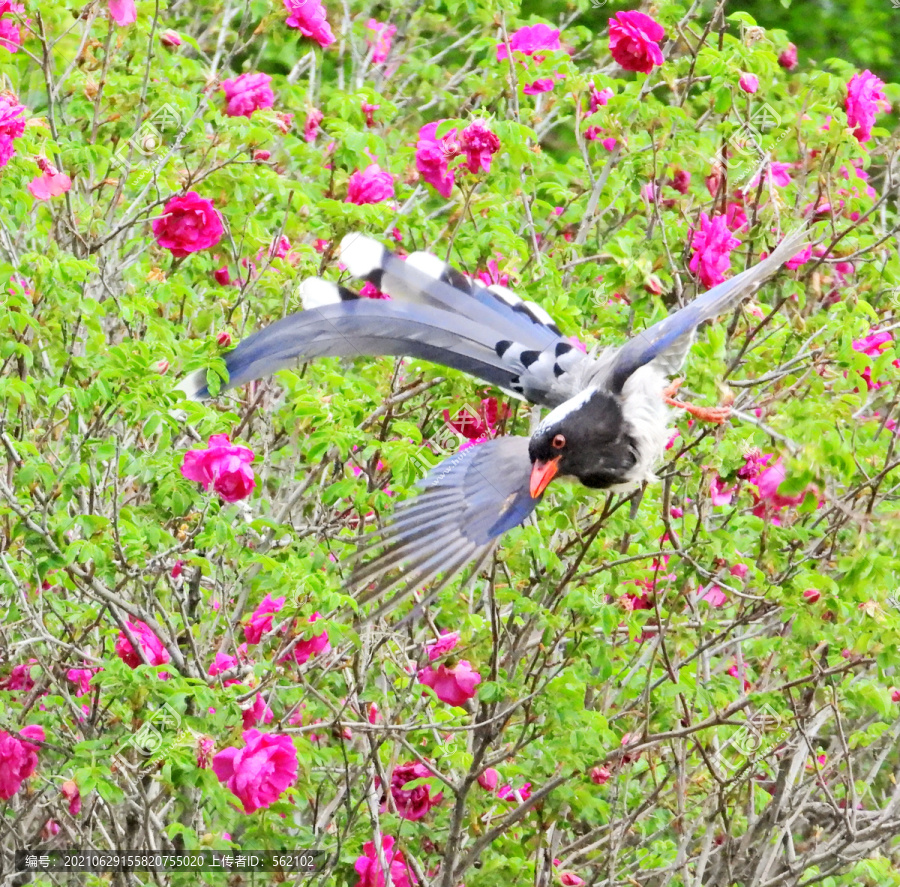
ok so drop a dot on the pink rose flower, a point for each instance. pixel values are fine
(413, 803)
(369, 110)
(634, 41)
(311, 128)
(443, 645)
(122, 12)
(812, 595)
(600, 775)
(800, 259)
(712, 244)
(18, 759)
(314, 646)
(12, 125)
(20, 677)
(189, 224)
(170, 38)
(260, 772)
(257, 713)
(599, 97)
(432, 158)
(530, 40)
(570, 879)
(308, 17)
(451, 685)
(224, 663)
(380, 41)
(50, 183)
(479, 145)
(680, 181)
(82, 677)
(713, 595)
(515, 795)
(749, 82)
(370, 185)
(787, 58)
(247, 93)
(719, 492)
(489, 779)
(739, 570)
(206, 745)
(369, 868)
(150, 644)
(222, 466)
(260, 622)
(71, 793)
(865, 98)
(10, 29)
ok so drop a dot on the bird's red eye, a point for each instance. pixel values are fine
(558, 442)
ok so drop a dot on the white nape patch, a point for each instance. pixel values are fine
(646, 414)
(361, 254)
(192, 384)
(316, 293)
(559, 413)
(427, 263)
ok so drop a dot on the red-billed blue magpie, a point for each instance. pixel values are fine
(606, 428)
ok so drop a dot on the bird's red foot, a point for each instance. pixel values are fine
(716, 415)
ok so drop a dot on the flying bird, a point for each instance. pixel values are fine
(607, 423)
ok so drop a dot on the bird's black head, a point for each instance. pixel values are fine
(585, 438)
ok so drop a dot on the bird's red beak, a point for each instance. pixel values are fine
(541, 475)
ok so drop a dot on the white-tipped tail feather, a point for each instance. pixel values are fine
(361, 255)
(193, 384)
(315, 293)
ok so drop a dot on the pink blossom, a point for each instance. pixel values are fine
(720, 494)
(609, 143)
(865, 98)
(177, 569)
(82, 677)
(754, 464)
(800, 259)
(260, 622)
(370, 185)
(10, 29)
(257, 713)
(680, 181)
(713, 595)
(600, 775)
(443, 645)
(369, 110)
(222, 276)
(735, 217)
(222, 466)
(370, 291)
(311, 128)
(432, 159)
(542, 84)
(488, 779)
(380, 41)
(206, 745)
(492, 275)
(787, 58)
(284, 120)
(749, 82)
(570, 879)
(712, 244)
(739, 570)
(18, 759)
(812, 595)
(308, 17)
(12, 125)
(152, 647)
(599, 97)
(20, 677)
(189, 223)
(634, 41)
(369, 868)
(224, 663)
(412, 803)
(530, 40)
(71, 793)
(872, 346)
(247, 93)
(479, 145)
(259, 773)
(314, 646)
(122, 12)
(170, 38)
(261, 156)
(480, 424)
(515, 795)
(451, 685)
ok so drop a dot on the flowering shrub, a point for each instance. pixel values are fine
(688, 683)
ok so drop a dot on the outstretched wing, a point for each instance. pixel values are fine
(467, 502)
(666, 343)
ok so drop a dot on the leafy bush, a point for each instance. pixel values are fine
(690, 683)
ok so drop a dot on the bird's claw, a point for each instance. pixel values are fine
(716, 415)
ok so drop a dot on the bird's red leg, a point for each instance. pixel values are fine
(717, 415)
